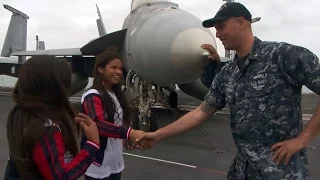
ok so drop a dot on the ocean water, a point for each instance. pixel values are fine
(7, 81)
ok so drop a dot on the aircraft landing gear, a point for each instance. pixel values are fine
(147, 125)
(141, 97)
(173, 100)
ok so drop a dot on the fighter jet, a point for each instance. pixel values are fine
(161, 47)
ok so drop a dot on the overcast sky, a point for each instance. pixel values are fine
(72, 23)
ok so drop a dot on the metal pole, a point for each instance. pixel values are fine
(37, 42)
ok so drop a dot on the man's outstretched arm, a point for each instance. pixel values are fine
(213, 101)
(187, 122)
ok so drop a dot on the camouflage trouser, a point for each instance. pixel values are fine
(262, 169)
(243, 171)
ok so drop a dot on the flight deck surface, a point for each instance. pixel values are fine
(186, 156)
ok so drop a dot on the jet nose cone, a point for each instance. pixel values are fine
(186, 53)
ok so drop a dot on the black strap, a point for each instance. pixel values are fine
(11, 172)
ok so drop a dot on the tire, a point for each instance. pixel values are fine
(173, 99)
(151, 126)
(153, 123)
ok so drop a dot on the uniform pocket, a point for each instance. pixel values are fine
(259, 97)
(258, 88)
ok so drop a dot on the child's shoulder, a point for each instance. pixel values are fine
(89, 92)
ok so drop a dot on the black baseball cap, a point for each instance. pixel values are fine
(227, 11)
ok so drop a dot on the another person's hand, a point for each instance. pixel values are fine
(89, 127)
(284, 150)
(136, 134)
(213, 52)
(147, 140)
(129, 146)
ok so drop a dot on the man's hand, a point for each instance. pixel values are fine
(147, 140)
(137, 134)
(284, 150)
(213, 52)
(129, 146)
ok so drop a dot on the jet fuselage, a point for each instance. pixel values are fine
(163, 42)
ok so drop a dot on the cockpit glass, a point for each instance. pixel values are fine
(136, 3)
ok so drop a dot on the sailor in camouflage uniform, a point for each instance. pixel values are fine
(264, 97)
(262, 87)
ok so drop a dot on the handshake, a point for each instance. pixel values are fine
(137, 139)
(140, 140)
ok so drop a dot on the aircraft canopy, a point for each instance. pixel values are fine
(136, 3)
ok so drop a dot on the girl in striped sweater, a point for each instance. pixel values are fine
(41, 128)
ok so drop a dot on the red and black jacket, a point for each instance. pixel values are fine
(92, 105)
(48, 157)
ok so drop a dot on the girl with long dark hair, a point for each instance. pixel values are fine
(41, 128)
(106, 104)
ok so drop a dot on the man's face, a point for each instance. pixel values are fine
(229, 32)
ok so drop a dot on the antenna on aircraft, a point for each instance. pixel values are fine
(98, 11)
(37, 42)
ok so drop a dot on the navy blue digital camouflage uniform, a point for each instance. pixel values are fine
(265, 107)
(210, 71)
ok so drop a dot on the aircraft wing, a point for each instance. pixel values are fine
(100, 44)
(94, 47)
(54, 52)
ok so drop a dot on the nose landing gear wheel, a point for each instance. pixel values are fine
(173, 99)
(149, 124)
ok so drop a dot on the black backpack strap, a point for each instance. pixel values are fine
(11, 172)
